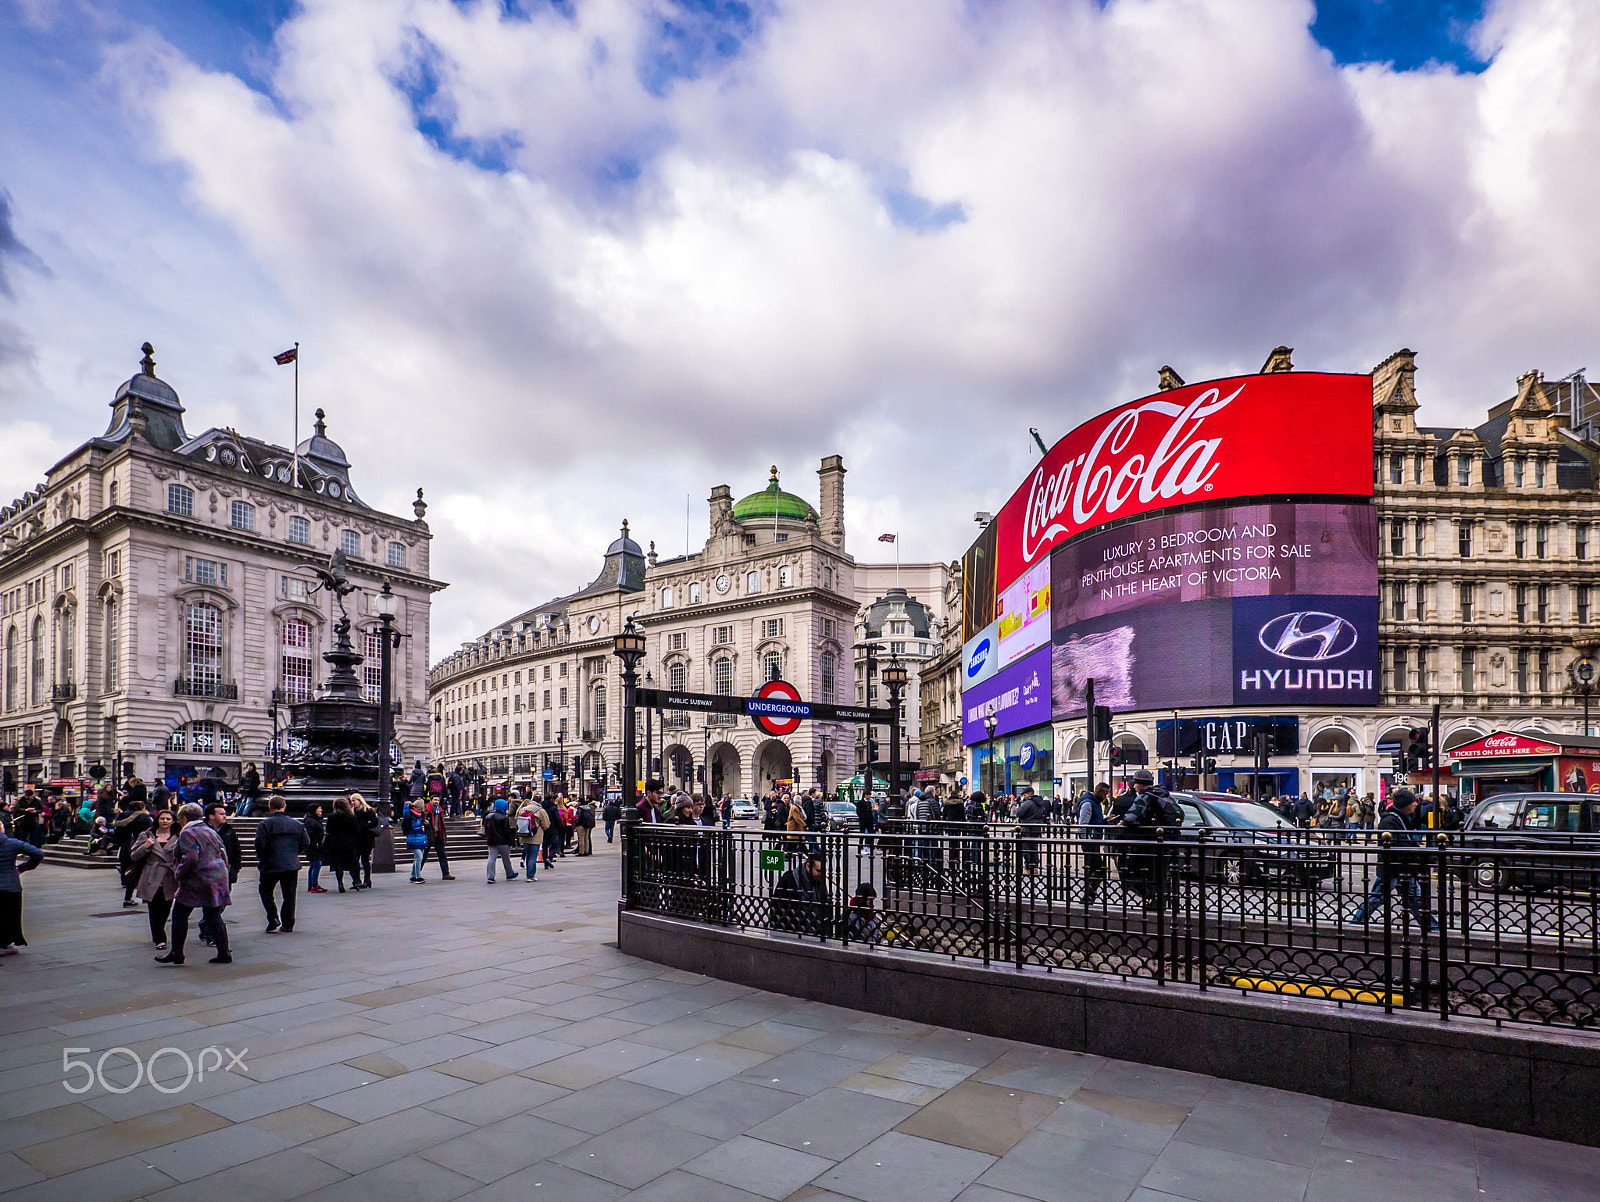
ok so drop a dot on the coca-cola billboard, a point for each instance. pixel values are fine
(1280, 434)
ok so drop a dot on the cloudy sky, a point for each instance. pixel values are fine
(561, 262)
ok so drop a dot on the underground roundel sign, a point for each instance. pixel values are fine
(777, 708)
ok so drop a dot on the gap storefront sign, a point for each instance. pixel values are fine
(1018, 696)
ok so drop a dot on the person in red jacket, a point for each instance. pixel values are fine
(436, 836)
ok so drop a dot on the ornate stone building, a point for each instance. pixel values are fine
(940, 686)
(152, 610)
(770, 595)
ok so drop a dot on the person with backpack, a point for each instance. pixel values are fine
(611, 815)
(1032, 815)
(497, 834)
(1151, 810)
(414, 825)
(1091, 820)
(533, 820)
(586, 829)
(434, 807)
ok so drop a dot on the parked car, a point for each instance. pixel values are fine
(842, 817)
(1248, 841)
(1544, 823)
(744, 808)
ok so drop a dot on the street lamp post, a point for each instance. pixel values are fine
(894, 678)
(1583, 671)
(629, 647)
(990, 721)
(705, 756)
(384, 606)
(561, 758)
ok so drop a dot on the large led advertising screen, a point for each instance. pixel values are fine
(1233, 605)
(1278, 434)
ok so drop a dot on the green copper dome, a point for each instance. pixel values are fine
(772, 502)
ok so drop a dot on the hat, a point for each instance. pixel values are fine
(1143, 777)
(1401, 798)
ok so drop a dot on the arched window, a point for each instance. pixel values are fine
(722, 677)
(38, 661)
(678, 678)
(666, 597)
(12, 684)
(772, 665)
(785, 577)
(600, 710)
(242, 515)
(202, 648)
(350, 543)
(66, 625)
(752, 582)
(113, 645)
(295, 664)
(1333, 741)
(829, 670)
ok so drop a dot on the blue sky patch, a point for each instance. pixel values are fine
(1407, 33)
(694, 36)
(919, 214)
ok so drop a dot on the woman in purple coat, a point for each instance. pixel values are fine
(202, 871)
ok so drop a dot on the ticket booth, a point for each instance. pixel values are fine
(1504, 762)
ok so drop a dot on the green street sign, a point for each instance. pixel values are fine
(771, 860)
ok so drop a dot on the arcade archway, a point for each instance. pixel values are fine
(725, 768)
(773, 764)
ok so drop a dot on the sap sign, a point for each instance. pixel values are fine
(980, 657)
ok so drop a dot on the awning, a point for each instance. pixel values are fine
(1509, 769)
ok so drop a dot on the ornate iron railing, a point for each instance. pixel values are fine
(222, 690)
(1495, 932)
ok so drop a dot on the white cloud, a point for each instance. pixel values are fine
(552, 348)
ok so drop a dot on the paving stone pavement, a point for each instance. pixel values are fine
(460, 1040)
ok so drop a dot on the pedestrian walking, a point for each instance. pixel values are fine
(414, 826)
(249, 790)
(314, 836)
(368, 824)
(1399, 866)
(125, 832)
(11, 851)
(611, 815)
(155, 858)
(279, 842)
(202, 885)
(586, 829)
(532, 822)
(497, 834)
(438, 836)
(339, 844)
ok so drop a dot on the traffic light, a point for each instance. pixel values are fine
(872, 750)
(700, 775)
(1211, 765)
(1102, 724)
(1116, 755)
(1416, 748)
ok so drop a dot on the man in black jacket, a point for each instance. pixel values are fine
(1398, 866)
(279, 842)
(800, 898)
(1032, 814)
(125, 833)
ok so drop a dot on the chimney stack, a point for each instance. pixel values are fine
(831, 509)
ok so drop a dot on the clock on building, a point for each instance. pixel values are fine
(594, 623)
(722, 583)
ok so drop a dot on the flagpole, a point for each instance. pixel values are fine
(294, 480)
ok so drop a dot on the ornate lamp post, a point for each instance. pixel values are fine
(629, 647)
(384, 606)
(1583, 673)
(894, 679)
(990, 721)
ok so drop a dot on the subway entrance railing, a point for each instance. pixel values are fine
(1509, 935)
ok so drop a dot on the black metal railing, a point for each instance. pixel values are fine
(1495, 932)
(222, 690)
(64, 692)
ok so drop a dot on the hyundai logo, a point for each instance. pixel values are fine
(978, 658)
(1311, 635)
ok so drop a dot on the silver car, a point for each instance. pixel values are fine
(744, 808)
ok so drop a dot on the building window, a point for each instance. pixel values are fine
(666, 597)
(546, 697)
(829, 670)
(784, 576)
(772, 666)
(897, 648)
(1464, 539)
(1397, 538)
(1469, 663)
(12, 698)
(1398, 680)
(66, 577)
(180, 500)
(547, 730)
(113, 564)
(563, 698)
(1464, 471)
(1465, 592)
(827, 628)
(1544, 603)
(1416, 469)
(1396, 469)
(722, 634)
(1516, 471)
(113, 645)
(294, 665)
(1399, 601)
(1541, 532)
(1580, 540)
(65, 626)
(299, 529)
(827, 578)
(202, 647)
(397, 555)
(694, 593)
(1538, 473)
(1419, 536)
(1522, 670)
(1519, 539)
(771, 628)
(350, 543)
(372, 664)
(1544, 671)
(516, 731)
(562, 673)
(678, 678)
(676, 640)
(752, 582)
(205, 571)
(1581, 598)
(600, 711)
(722, 677)
(242, 515)
(562, 730)
(111, 494)
(1522, 603)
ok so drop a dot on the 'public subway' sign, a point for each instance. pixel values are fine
(1249, 436)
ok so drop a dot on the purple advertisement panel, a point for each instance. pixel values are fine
(1233, 551)
(1163, 657)
(1019, 696)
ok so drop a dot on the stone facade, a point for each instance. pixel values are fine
(772, 594)
(152, 608)
(939, 742)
